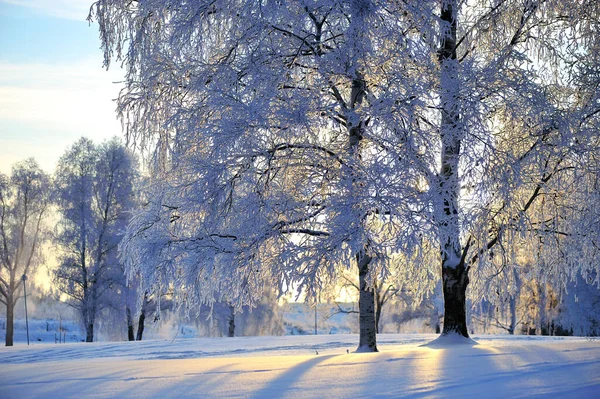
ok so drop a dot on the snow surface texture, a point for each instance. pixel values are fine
(305, 367)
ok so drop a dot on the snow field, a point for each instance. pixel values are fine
(289, 367)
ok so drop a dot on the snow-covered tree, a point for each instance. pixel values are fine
(305, 132)
(500, 131)
(24, 201)
(280, 165)
(94, 193)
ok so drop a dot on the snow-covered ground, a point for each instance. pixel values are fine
(304, 367)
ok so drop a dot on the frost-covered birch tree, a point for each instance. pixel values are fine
(281, 160)
(94, 193)
(305, 133)
(502, 131)
(24, 202)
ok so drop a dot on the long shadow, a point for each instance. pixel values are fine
(56, 383)
(532, 370)
(191, 384)
(282, 384)
(426, 372)
(390, 374)
(446, 372)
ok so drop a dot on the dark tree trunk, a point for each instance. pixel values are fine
(89, 332)
(540, 328)
(512, 303)
(130, 334)
(366, 306)
(379, 305)
(90, 316)
(10, 320)
(454, 274)
(231, 330)
(455, 281)
(141, 321)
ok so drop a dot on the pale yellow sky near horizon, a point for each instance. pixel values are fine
(57, 106)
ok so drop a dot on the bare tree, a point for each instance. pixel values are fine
(94, 194)
(24, 201)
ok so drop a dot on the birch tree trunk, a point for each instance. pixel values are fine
(454, 273)
(366, 302)
(366, 306)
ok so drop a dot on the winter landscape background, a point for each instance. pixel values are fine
(304, 198)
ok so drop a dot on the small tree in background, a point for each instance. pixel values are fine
(94, 191)
(24, 201)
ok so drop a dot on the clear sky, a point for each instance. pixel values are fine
(53, 88)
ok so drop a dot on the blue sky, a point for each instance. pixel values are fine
(53, 88)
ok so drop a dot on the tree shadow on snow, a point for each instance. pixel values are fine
(285, 382)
